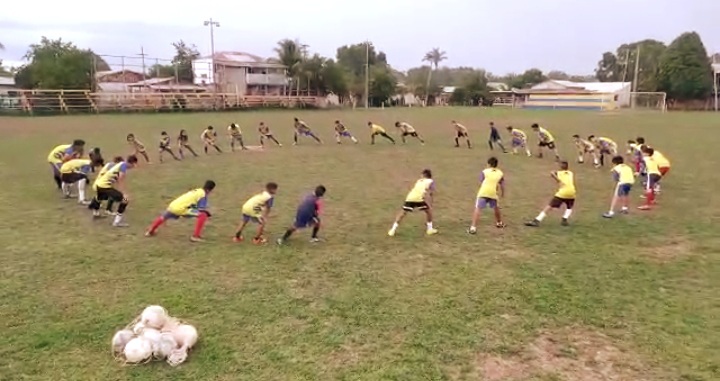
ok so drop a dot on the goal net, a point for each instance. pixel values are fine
(647, 101)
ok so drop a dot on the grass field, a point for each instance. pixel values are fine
(632, 298)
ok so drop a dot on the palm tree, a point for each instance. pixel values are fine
(291, 53)
(434, 57)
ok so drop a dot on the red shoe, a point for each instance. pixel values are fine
(238, 240)
(644, 207)
(259, 240)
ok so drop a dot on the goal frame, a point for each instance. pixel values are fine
(662, 100)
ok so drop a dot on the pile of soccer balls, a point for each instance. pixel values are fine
(154, 335)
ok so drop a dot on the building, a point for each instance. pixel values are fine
(7, 84)
(116, 81)
(241, 73)
(558, 95)
(8, 93)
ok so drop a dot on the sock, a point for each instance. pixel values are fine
(353, 139)
(650, 196)
(469, 144)
(205, 148)
(156, 224)
(429, 226)
(199, 224)
(118, 219)
(567, 214)
(395, 226)
(287, 234)
(58, 182)
(81, 189)
(238, 234)
(315, 231)
(457, 142)
(65, 187)
(541, 216)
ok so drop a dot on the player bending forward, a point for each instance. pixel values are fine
(138, 147)
(342, 132)
(461, 132)
(192, 204)
(235, 136)
(651, 169)
(585, 147)
(76, 171)
(408, 130)
(565, 195)
(302, 129)
(110, 186)
(208, 137)
(495, 138)
(183, 141)
(519, 139)
(265, 133)
(545, 139)
(375, 130)
(165, 147)
(420, 198)
(491, 180)
(308, 215)
(624, 180)
(257, 210)
(61, 154)
(604, 146)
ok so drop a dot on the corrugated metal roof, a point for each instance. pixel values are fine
(7, 81)
(240, 59)
(599, 87)
(152, 81)
(448, 89)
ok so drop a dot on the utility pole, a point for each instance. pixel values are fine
(625, 64)
(636, 78)
(212, 24)
(142, 58)
(367, 73)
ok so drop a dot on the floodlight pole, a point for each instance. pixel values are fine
(367, 73)
(212, 24)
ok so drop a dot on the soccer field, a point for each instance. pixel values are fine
(635, 297)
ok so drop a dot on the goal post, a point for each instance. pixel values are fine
(648, 101)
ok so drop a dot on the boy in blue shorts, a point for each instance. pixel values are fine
(308, 214)
(257, 209)
(624, 178)
(191, 204)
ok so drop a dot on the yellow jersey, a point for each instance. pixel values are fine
(660, 159)
(76, 165)
(189, 203)
(518, 134)
(208, 135)
(490, 180)
(234, 130)
(651, 166)
(584, 145)
(110, 175)
(607, 143)
(623, 174)
(137, 145)
(255, 205)
(406, 128)
(566, 185)
(545, 136)
(301, 126)
(376, 129)
(164, 142)
(58, 153)
(421, 188)
(460, 128)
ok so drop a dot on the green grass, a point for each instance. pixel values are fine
(359, 306)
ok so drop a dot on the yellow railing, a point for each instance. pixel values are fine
(75, 101)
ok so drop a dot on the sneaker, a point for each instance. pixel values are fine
(472, 230)
(564, 222)
(280, 241)
(314, 240)
(431, 231)
(108, 213)
(500, 225)
(624, 211)
(120, 224)
(259, 241)
(644, 207)
(84, 202)
(238, 239)
(391, 233)
(149, 234)
(533, 223)
(608, 215)
(196, 239)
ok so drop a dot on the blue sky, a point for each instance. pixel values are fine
(500, 36)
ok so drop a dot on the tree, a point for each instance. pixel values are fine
(476, 86)
(353, 59)
(684, 71)
(558, 75)
(184, 56)
(335, 78)
(434, 57)
(620, 66)
(382, 85)
(529, 78)
(607, 70)
(161, 71)
(56, 64)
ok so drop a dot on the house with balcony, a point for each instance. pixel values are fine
(240, 73)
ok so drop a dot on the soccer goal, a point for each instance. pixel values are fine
(648, 101)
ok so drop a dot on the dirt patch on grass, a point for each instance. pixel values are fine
(669, 250)
(570, 354)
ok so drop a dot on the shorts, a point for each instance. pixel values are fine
(623, 189)
(606, 151)
(652, 180)
(664, 171)
(549, 145)
(209, 142)
(236, 137)
(485, 202)
(344, 133)
(462, 134)
(73, 177)
(375, 133)
(111, 194)
(248, 218)
(413, 134)
(518, 142)
(557, 202)
(305, 133)
(303, 220)
(268, 136)
(409, 206)
(164, 147)
(174, 214)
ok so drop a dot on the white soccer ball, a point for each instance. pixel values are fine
(137, 350)
(120, 339)
(154, 317)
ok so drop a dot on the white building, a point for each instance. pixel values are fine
(241, 73)
(621, 90)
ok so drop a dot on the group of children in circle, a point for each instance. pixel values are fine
(71, 167)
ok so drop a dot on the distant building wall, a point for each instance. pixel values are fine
(597, 102)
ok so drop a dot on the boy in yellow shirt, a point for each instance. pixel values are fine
(565, 195)
(491, 180)
(624, 177)
(420, 198)
(375, 130)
